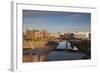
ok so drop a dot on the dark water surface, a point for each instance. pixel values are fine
(57, 55)
(64, 55)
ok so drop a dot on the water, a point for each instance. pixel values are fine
(65, 55)
(57, 55)
(64, 45)
(68, 45)
(31, 44)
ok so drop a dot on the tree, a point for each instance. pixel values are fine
(72, 35)
(85, 47)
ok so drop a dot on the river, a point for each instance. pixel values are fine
(60, 54)
(65, 55)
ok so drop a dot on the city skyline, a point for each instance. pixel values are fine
(57, 21)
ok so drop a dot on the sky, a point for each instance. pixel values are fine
(53, 21)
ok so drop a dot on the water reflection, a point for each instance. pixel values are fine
(75, 48)
(52, 55)
(68, 45)
(57, 55)
(62, 45)
(65, 55)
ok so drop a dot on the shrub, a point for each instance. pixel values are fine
(85, 47)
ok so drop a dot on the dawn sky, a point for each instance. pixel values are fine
(57, 21)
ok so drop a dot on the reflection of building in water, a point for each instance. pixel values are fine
(75, 48)
(69, 45)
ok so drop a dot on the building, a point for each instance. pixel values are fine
(28, 34)
(82, 35)
(32, 34)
